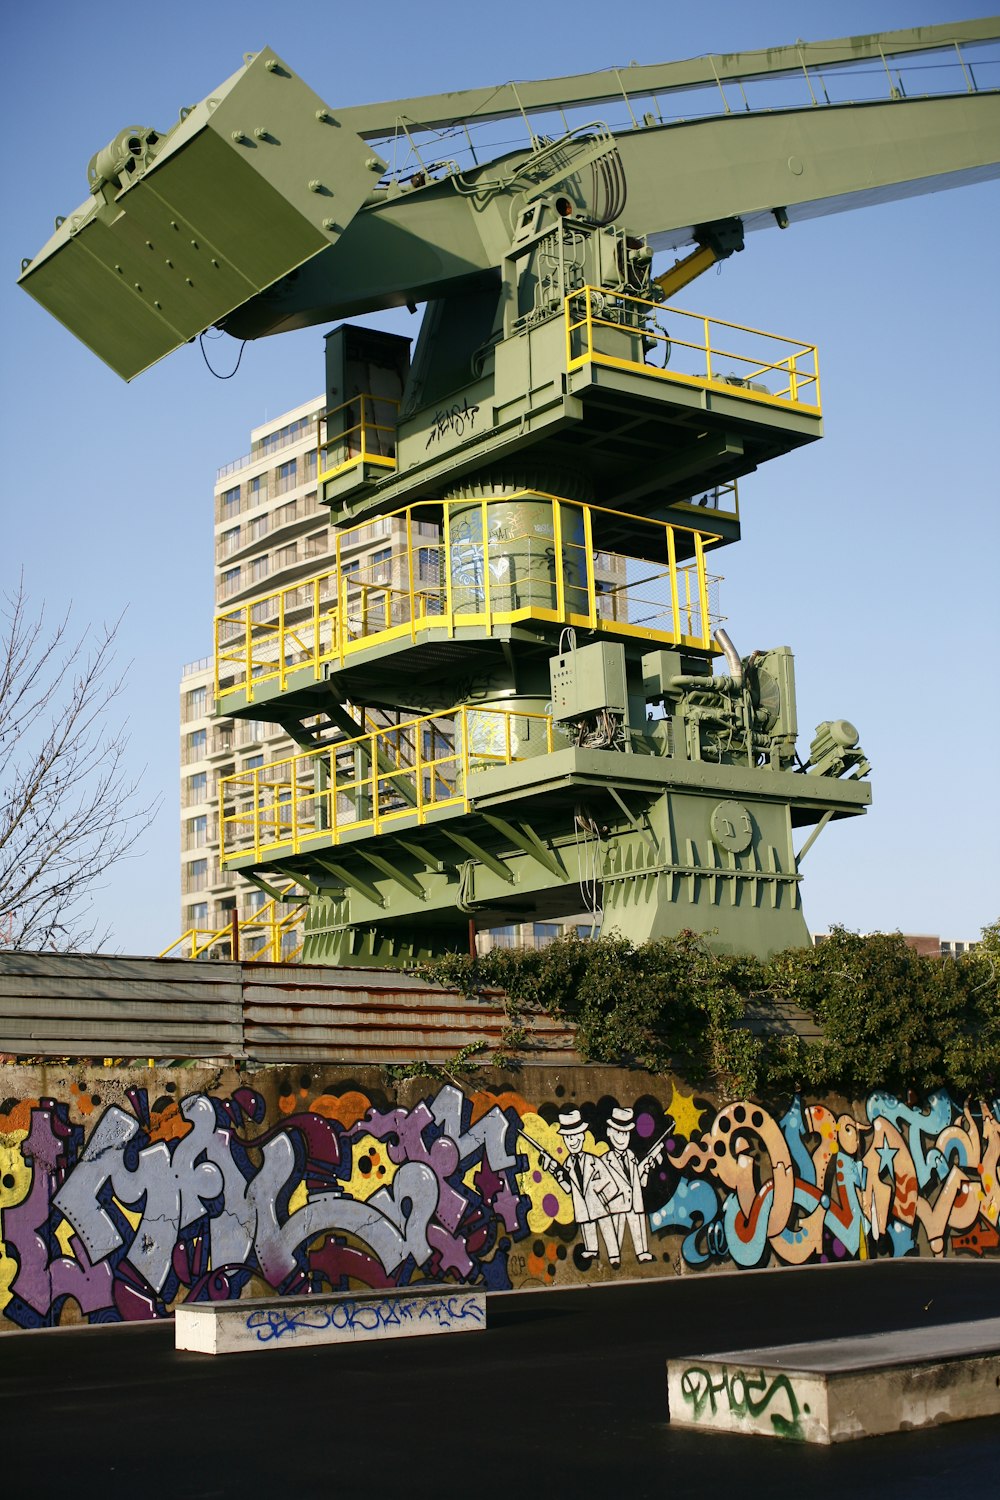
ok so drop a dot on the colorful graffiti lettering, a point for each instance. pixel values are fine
(111, 1213)
(814, 1186)
(190, 1206)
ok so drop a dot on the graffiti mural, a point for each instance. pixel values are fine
(814, 1186)
(111, 1213)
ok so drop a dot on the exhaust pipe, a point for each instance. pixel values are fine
(732, 656)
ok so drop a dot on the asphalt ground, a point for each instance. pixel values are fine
(564, 1394)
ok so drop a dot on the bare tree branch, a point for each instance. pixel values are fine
(68, 807)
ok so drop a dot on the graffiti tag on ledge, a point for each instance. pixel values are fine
(363, 1316)
(454, 419)
(745, 1393)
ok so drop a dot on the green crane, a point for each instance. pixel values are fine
(513, 710)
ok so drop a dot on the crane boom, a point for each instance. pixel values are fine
(264, 209)
(506, 101)
(805, 163)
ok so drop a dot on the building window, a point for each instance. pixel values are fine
(230, 582)
(288, 556)
(258, 528)
(229, 503)
(359, 536)
(197, 744)
(198, 914)
(259, 569)
(252, 762)
(273, 442)
(197, 873)
(230, 542)
(380, 567)
(286, 476)
(309, 465)
(230, 630)
(286, 514)
(197, 788)
(257, 490)
(198, 832)
(197, 703)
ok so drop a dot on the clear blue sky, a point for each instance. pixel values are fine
(873, 554)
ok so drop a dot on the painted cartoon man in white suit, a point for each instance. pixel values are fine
(630, 1177)
(595, 1194)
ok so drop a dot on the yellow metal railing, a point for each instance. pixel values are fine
(360, 431)
(667, 343)
(403, 774)
(462, 576)
(261, 938)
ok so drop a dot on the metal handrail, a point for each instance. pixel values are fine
(197, 941)
(596, 320)
(358, 437)
(340, 611)
(362, 785)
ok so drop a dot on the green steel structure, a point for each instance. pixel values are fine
(526, 706)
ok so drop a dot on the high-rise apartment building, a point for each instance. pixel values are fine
(270, 531)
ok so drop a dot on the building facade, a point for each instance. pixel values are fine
(269, 531)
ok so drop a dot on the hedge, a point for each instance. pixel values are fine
(888, 1016)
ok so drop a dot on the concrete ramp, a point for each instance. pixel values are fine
(839, 1389)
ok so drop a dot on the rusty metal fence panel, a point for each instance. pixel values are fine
(311, 1013)
(97, 1006)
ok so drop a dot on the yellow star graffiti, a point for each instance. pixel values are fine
(684, 1112)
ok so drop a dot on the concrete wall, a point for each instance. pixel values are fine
(124, 1193)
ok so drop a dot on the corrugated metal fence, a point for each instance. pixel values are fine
(96, 1006)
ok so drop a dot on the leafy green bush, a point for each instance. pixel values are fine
(887, 1016)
